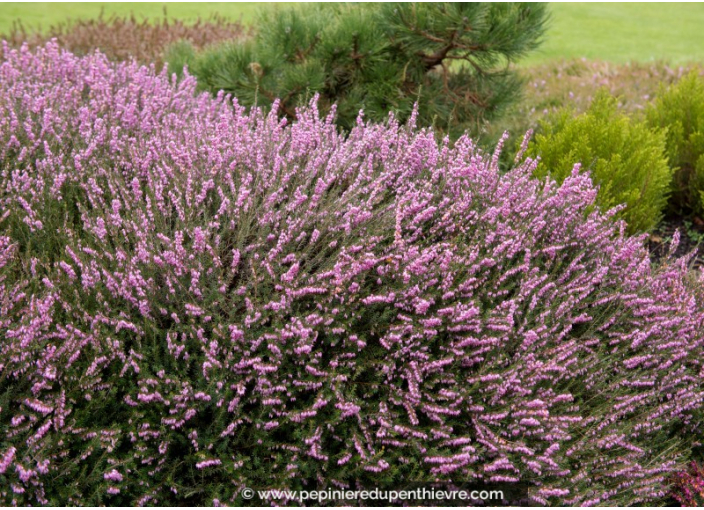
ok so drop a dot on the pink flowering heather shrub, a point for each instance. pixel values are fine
(195, 299)
(688, 487)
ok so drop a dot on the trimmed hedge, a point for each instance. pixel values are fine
(196, 299)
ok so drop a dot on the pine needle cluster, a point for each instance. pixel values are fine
(453, 59)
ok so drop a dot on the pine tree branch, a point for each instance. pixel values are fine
(302, 54)
(436, 58)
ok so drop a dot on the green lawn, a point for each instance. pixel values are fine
(44, 14)
(616, 32)
(621, 32)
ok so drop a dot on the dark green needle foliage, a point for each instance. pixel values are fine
(452, 58)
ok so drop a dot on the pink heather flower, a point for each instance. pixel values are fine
(38, 406)
(24, 474)
(291, 273)
(43, 467)
(375, 297)
(7, 459)
(208, 463)
(113, 476)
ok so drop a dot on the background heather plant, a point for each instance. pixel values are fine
(575, 83)
(123, 38)
(688, 487)
(196, 299)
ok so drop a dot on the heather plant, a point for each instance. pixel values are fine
(449, 57)
(574, 84)
(626, 157)
(688, 487)
(196, 298)
(680, 110)
(123, 38)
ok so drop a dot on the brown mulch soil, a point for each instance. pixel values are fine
(691, 239)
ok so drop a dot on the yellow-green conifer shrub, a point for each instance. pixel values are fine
(626, 158)
(680, 111)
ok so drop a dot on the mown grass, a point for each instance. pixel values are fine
(613, 32)
(623, 32)
(41, 15)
